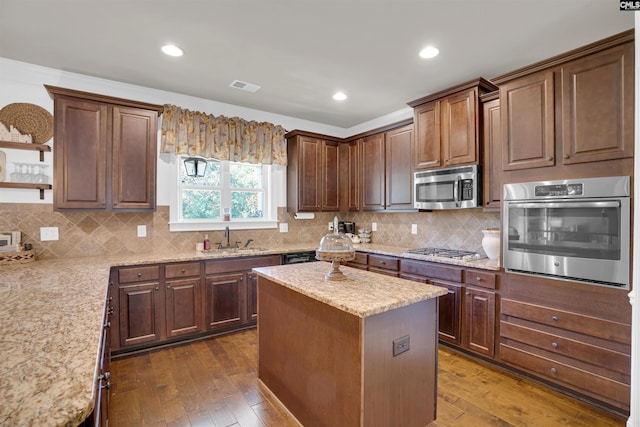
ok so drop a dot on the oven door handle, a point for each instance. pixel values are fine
(553, 205)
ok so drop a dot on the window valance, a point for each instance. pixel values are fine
(235, 139)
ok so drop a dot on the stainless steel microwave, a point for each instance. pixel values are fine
(450, 188)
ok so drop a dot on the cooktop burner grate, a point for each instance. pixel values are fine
(441, 252)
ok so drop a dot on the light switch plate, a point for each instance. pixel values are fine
(414, 228)
(48, 234)
(142, 231)
(374, 226)
(284, 227)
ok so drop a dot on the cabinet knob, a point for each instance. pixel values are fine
(554, 318)
(109, 299)
(184, 271)
(550, 158)
(554, 344)
(467, 293)
(110, 283)
(139, 274)
(479, 279)
(157, 288)
(168, 286)
(566, 156)
(554, 371)
(107, 325)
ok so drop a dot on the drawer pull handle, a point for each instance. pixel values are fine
(479, 279)
(139, 274)
(554, 371)
(554, 318)
(184, 271)
(157, 288)
(554, 344)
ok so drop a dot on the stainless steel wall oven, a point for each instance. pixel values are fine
(577, 230)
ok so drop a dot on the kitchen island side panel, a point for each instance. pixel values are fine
(309, 356)
(401, 390)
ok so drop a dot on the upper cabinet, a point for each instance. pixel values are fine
(447, 126)
(313, 172)
(386, 174)
(569, 110)
(104, 152)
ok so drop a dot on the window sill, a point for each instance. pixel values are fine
(221, 225)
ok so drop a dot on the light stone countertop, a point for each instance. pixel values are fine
(51, 315)
(362, 293)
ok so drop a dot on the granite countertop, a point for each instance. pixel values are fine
(362, 293)
(51, 315)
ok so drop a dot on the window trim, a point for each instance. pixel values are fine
(275, 183)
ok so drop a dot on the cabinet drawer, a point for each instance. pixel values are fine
(138, 274)
(361, 258)
(480, 278)
(384, 262)
(599, 356)
(588, 325)
(186, 269)
(431, 270)
(605, 389)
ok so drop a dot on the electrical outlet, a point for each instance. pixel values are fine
(331, 226)
(400, 345)
(374, 226)
(414, 228)
(284, 227)
(142, 231)
(48, 233)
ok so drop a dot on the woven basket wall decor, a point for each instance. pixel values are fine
(28, 119)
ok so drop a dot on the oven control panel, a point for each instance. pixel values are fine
(556, 190)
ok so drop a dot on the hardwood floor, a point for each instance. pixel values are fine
(214, 383)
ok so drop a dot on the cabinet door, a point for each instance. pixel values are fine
(183, 304)
(133, 172)
(252, 296)
(427, 135)
(492, 168)
(528, 127)
(140, 313)
(458, 129)
(399, 171)
(373, 180)
(79, 177)
(597, 106)
(224, 297)
(330, 175)
(479, 322)
(309, 165)
(353, 176)
(449, 312)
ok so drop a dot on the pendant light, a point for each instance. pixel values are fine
(195, 166)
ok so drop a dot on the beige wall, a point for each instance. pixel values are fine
(105, 233)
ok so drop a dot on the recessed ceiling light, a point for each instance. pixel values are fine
(339, 96)
(249, 87)
(172, 50)
(429, 52)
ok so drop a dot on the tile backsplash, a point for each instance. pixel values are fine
(107, 233)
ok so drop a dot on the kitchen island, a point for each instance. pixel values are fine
(362, 351)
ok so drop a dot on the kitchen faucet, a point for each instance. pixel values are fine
(227, 234)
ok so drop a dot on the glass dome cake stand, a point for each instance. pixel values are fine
(335, 247)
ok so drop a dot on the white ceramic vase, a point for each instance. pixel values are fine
(491, 243)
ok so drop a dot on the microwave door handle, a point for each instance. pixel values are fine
(552, 205)
(456, 190)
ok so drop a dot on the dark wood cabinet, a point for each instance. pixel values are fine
(105, 152)
(447, 126)
(450, 313)
(573, 335)
(183, 303)
(597, 106)
(351, 168)
(570, 116)
(492, 153)
(479, 321)
(140, 314)
(528, 121)
(223, 300)
(252, 296)
(313, 173)
(386, 172)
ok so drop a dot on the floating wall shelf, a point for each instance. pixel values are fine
(24, 146)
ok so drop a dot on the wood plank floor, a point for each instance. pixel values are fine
(214, 383)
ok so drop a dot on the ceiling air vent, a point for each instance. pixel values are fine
(244, 86)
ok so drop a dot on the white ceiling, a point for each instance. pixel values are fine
(301, 51)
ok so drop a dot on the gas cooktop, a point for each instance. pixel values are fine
(445, 253)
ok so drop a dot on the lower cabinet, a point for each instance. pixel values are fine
(162, 303)
(466, 315)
